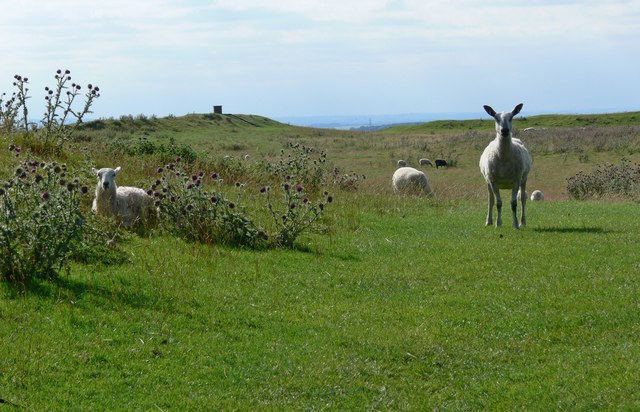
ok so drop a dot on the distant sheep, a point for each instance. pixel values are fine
(129, 205)
(424, 162)
(537, 195)
(407, 180)
(441, 163)
(505, 164)
(401, 163)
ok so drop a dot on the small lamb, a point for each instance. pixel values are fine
(407, 180)
(129, 205)
(505, 164)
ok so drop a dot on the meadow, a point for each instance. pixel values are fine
(391, 303)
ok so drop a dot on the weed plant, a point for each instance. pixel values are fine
(193, 212)
(61, 117)
(40, 220)
(621, 181)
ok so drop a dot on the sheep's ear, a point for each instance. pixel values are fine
(94, 170)
(489, 110)
(517, 109)
(117, 170)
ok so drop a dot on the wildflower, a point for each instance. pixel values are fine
(70, 186)
(150, 192)
(2, 192)
(56, 169)
(232, 205)
(285, 187)
(299, 188)
(263, 189)
(214, 175)
(329, 199)
(305, 201)
(84, 190)
(45, 196)
(160, 170)
(62, 182)
(38, 178)
(321, 206)
(214, 199)
(292, 206)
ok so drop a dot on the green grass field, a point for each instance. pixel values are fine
(401, 304)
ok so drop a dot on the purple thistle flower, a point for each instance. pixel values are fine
(45, 196)
(329, 199)
(84, 190)
(160, 170)
(299, 188)
(214, 175)
(232, 205)
(150, 192)
(214, 199)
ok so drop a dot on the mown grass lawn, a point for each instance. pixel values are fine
(406, 304)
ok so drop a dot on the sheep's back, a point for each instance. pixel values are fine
(408, 179)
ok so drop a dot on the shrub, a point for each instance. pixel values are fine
(189, 210)
(609, 180)
(293, 213)
(61, 117)
(306, 165)
(40, 220)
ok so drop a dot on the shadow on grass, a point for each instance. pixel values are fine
(556, 229)
(63, 288)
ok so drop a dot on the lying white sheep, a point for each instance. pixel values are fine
(424, 162)
(401, 163)
(129, 205)
(505, 164)
(537, 195)
(407, 180)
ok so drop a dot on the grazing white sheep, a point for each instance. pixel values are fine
(537, 195)
(407, 180)
(425, 162)
(129, 205)
(505, 164)
(401, 163)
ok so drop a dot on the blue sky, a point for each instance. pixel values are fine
(333, 57)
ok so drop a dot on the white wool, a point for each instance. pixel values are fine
(424, 162)
(537, 195)
(407, 180)
(505, 164)
(128, 205)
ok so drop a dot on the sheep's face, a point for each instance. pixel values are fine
(503, 119)
(106, 177)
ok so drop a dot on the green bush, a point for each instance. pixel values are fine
(609, 180)
(40, 220)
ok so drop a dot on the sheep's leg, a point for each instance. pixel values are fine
(491, 202)
(523, 200)
(514, 205)
(496, 193)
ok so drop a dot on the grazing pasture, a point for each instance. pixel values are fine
(393, 303)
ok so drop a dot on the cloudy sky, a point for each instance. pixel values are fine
(304, 57)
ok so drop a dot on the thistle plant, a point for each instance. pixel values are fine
(607, 180)
(293, 212)
(40, 220)
(61, 116)
(195, 207)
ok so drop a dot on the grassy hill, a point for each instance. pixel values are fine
(391, 303)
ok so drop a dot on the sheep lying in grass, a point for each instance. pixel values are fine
(407, 180)
(425, 162)
(537, 195)
(505, 164)
(401, 163)
(129, 205)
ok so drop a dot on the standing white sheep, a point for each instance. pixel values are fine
(407, 180)
(505, 164)
(424, 162)
(128, 205)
